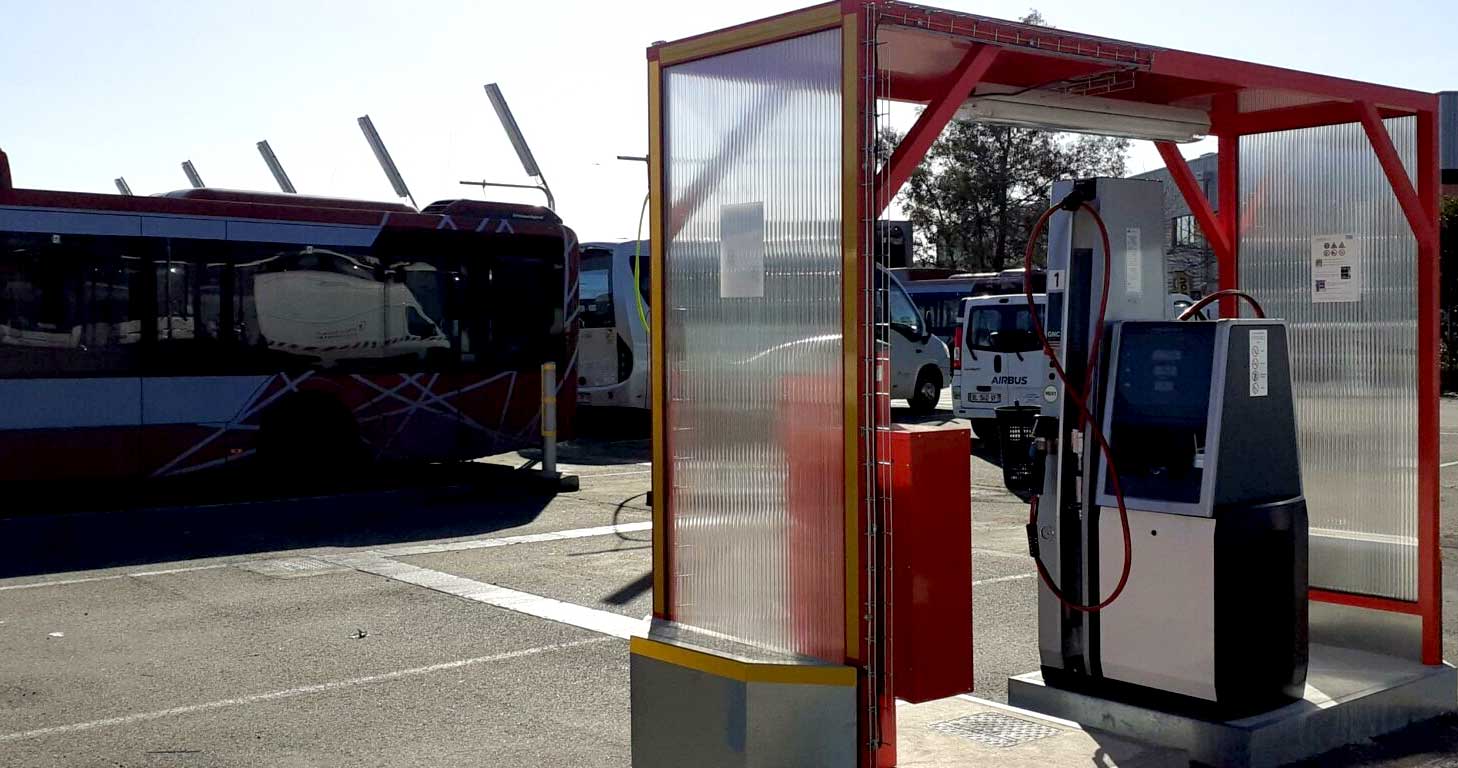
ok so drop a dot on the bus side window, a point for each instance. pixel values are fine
(72, 303)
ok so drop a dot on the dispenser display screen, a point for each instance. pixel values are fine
(1161, 402)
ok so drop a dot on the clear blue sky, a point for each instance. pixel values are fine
(94, 90)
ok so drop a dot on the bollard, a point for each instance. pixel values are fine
(549, 421)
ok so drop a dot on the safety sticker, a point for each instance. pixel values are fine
(1133, 262)
(1336, 269)
(1259, 379)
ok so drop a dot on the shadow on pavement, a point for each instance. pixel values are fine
(167, 523)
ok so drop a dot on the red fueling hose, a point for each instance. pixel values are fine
(1081, 398)
(1194, 309)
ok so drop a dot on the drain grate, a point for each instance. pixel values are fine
(994, 729)
(291, 567)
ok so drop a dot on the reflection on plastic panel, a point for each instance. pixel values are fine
(1353, 362)
(753, 344)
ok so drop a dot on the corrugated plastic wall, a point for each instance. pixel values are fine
(1354, 364)
(753, 347)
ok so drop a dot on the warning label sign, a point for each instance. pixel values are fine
(1336, 269)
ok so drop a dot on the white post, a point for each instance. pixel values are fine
(549, 420)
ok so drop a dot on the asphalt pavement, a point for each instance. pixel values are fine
(471, 619)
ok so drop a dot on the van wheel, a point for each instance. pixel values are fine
(308, 435)
(928, 391)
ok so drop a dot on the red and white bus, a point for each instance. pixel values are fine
(167, 335)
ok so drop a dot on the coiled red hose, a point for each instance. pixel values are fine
(1085, 416)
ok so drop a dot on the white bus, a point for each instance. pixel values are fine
(613, 354)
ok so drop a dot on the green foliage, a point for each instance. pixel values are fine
(976, 195)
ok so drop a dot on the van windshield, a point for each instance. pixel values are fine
(985, 321)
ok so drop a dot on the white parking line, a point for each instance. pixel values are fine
(303, 690)
(1447, 464)
(505, 541)
(400, 551)
(1001, 579)
(606, 622)
(113, 577)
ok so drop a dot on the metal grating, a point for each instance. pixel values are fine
(994, 729)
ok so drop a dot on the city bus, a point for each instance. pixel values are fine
(159, 336)
(613, 352)
(939, 292)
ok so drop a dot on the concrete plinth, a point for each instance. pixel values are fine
(1350, 696)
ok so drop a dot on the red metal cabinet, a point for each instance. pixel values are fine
(931, 561)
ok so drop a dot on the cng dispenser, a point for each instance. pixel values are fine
(1170, 531)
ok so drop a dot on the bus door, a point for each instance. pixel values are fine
(72, 316)
(597, 341)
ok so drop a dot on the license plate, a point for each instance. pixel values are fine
(984, 397)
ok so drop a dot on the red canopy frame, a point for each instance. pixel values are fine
(910, 53)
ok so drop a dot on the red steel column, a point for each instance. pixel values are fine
(1430, 571)
(1228, 194)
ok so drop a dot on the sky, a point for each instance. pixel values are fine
(95, 90)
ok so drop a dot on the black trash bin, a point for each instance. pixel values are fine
(1020, 472)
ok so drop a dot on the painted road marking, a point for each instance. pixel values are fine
(621, 474)
(114, 577)
(290, 693)
(400, 551)
(1001, 579)
(505, 541)
(606, 622)
(1447, 464)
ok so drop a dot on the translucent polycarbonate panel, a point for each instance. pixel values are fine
(752, 160)
(1353, 347)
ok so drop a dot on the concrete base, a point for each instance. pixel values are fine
(1351, 696)
(705, 702)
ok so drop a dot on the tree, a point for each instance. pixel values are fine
(975, 196)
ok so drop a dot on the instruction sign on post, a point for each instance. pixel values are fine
(1336, 269)
(1133, 262)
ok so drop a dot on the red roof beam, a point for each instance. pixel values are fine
(909, 153)
(1292, 118)
(1046, 41)
(6, 183)
(1422, 225)
(1199, 205)
(1244, 74)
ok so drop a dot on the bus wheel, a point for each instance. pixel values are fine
(308, 435)
(928, 391)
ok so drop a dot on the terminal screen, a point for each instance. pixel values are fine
(1160, 404)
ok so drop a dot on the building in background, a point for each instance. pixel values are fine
(1192, 266)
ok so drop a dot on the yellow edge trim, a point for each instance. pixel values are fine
(743, 671)
(657, 251)
(850, 329)
(809, 20)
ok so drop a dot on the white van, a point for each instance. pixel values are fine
(997, 359)
(920, 362)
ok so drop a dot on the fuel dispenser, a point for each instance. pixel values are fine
(1169, 529)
